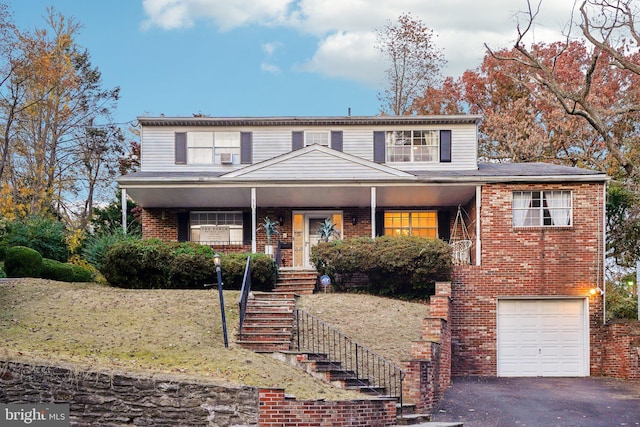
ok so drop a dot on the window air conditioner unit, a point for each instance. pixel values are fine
(226, 158)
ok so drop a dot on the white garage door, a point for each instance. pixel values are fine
(547, 338)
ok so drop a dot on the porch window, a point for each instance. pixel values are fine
(407, 223)
(412, 145)
(216, 228)
(213, 148)
(542, 208)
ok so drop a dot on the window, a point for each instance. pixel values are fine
(542, 209)
(207, 147)
(412, 146)
(404, 223)
(222, 228)
(320, 138)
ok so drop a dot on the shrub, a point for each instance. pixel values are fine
(21, 261)
(147, 264)
(138, 264)
(56, 270)
(402, 266)
(46, 235)
(95, 247)
(64, 272)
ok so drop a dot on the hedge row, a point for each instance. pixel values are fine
(153, 264)
(405, 266)
(21, 261)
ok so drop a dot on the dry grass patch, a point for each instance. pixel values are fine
(384, 325)
(167, 331)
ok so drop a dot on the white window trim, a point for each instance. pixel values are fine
(389, 147)
(317, 132)
(521, 208)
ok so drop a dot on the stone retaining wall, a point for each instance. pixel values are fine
(108, 399)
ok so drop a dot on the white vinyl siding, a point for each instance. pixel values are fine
(270, 143)
(358, 142)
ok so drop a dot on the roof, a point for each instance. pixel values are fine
(309, 121)
(486, 172)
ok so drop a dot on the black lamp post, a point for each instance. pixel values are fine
(216, 261)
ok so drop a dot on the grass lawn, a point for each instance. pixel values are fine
(179, 331)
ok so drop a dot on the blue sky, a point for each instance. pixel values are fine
(269, 57)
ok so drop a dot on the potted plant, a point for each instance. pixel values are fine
(327, 230)
(270, 228)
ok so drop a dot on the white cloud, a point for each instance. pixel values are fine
(345, 28)
(270, 48)
(270, 68)
(347, 55)
(226, 14)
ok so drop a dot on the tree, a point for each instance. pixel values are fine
(610, 61)
(61, 146)
(414, 62)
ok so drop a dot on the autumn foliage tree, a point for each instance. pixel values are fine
(59, 147)
(408, 46)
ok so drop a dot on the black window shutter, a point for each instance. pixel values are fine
(246, 147)
(181, 148)
(297, 140)
(336, 140)
(183, 226)
(379, 223)
(444, 224)
(445, 146)
(378, 146)
(246, 228)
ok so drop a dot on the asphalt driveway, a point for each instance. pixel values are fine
(562, 402)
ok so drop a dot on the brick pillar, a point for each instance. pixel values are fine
(428, 373)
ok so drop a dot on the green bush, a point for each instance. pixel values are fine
(95, 247)
(64, 272)
(21, 261)
(402, 266)
(146, 264)
(45, 235)
(138, 264)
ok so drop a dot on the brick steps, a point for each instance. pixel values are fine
(268, 323)
(299, 282)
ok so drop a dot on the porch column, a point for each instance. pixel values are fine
(253, 221)
(124, 210)
(373, 212)
(478, 240)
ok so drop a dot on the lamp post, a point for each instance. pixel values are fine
(216, 261)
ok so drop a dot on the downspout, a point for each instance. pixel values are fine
(478, 239)
(254, 221)
(373, 212)
(124, 210)
(602, 249)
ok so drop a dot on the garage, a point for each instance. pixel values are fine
(543, 337)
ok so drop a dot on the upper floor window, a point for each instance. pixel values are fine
(408, 223)
(412, 146)
(320, 138)
(542, 208)
(213, 148)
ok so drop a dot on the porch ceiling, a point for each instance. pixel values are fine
(307, 196)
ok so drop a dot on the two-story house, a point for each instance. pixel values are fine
(534, 240)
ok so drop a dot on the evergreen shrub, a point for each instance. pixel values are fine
(400, 266)
(21, 261)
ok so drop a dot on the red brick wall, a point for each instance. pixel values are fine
(620, 351)
(159, 224)
(276, 411)
(541, 261)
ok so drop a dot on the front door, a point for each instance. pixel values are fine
(306, 233)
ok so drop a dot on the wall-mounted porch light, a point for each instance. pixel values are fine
(354, 220)
(596, 290)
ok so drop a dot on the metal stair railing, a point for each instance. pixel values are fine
(314, 336)
(244, 293)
